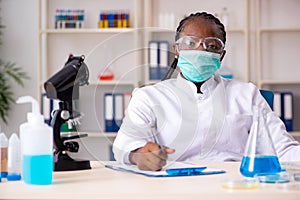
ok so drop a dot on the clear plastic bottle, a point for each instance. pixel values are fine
(224, 16)
(14, 158)
(36, 146)
(260, 155)
(225, 72)
(3, 154)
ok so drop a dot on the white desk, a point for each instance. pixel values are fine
(103, 183)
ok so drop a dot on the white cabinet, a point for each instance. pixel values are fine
(237, 45)
(277, 49)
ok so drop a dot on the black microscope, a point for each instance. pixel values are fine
(64, 86)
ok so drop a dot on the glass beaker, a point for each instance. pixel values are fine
(260, 155)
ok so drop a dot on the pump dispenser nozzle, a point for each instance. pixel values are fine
(35, 115)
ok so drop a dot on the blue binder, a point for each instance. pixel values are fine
(153, 60)
(283, 107)
(163, 58)
(287, 110)
(108, 112)
(277, 104)
(46, 108)
(118, 111)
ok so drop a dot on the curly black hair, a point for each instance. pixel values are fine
(204, 15)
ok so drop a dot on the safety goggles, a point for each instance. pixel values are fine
(211, 44)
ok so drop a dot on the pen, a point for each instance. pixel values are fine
(154, 135)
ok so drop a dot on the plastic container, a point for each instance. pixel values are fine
(3, 155)
(14, 158)
(224, 16)
(281, 177)
(225, 72)
(36, 146)
(241, 184)
(107, 75)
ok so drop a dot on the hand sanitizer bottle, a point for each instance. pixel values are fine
(14, 158)
(36, 146)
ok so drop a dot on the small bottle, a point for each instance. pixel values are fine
(225, 72)
(36, 146)
(106, 75)
(224, 16)
(3, 154)
(14, 158)
(260, 155)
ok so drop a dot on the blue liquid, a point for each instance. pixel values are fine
(38, 169)
(259, 164)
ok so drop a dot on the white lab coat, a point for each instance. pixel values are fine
(212, 126)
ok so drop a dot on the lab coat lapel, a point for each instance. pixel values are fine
(189, 112)
(218, 117)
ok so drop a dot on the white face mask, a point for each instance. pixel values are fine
(198, 66)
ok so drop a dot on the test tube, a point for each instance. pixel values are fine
(14, 158)
(3, 154)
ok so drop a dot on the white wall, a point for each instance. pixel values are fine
(20, 45)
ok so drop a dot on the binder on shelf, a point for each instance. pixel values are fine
(126, 98)
(153, 60)
(287, 108)
(46, 108)
(283, 107)
(108, 112)
(118, 111)
(277, 103)
(163, 58)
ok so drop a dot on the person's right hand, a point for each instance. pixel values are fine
(150, 157)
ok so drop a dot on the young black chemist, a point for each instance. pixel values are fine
(198, 116)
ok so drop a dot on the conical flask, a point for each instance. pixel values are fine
(260, 155)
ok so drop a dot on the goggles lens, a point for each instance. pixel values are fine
(211, 44)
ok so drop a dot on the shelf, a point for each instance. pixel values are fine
(164, 30)
(235, 30)
(93, 134)
(103, 134)
(295, 133)
(112, 82)
(262, 30)
(279, 82)
(82, 31)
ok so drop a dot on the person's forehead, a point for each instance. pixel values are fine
(201, 28)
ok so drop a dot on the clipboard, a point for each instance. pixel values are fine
(172, 169)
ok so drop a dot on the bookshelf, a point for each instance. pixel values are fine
(275, 34)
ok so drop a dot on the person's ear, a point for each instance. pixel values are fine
(176, 51)
(222, 55)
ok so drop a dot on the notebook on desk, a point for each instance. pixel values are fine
(172, 169)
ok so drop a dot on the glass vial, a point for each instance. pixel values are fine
(14, 158)
(224, 15)
(260, 155)
(3, 154)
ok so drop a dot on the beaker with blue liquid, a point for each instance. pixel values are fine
(260, 155)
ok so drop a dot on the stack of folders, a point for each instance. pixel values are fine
(47, 106)
(283, 107)
(115, 105)
(158, 59)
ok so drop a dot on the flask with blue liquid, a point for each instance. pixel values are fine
(36, 146)
(260, 155)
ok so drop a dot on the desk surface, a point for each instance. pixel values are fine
(104, 183)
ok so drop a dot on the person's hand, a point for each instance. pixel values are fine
(150, 157)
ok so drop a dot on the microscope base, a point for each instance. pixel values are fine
(66, 163)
